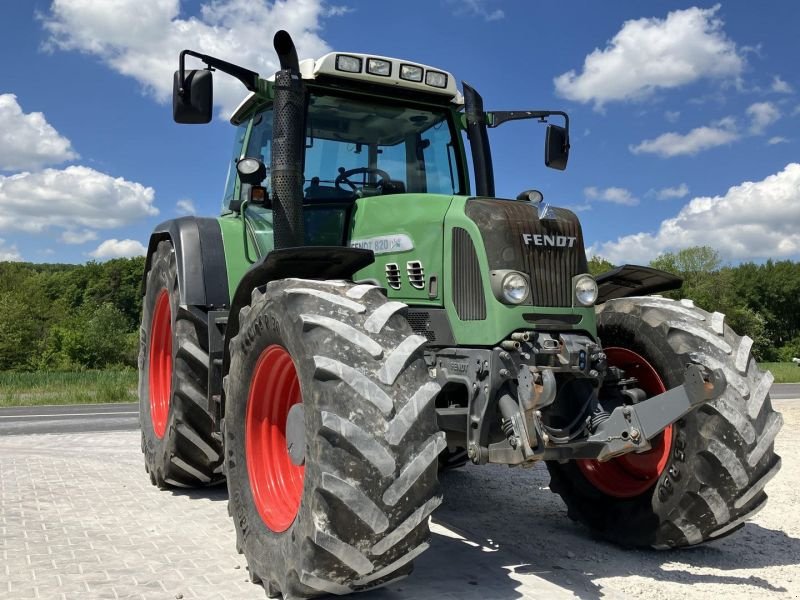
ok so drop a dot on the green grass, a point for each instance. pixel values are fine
(85, 387)
(784, 372)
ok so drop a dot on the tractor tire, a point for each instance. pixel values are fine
(331, 441)
(177, 442)
(706, 473)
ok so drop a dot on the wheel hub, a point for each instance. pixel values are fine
(160, 367)
(632, 474)
(276, 479)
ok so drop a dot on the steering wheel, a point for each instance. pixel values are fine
(344, 177)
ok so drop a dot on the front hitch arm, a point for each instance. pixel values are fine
(631, 427)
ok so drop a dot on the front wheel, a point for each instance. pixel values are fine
(331, 442)
(706, 474)
(178, 442)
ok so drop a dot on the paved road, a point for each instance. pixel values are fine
(125, 417)
(785, 391)
(69, 419)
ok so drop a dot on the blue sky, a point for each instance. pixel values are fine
(685, 117)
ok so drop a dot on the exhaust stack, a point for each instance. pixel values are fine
(288, 144)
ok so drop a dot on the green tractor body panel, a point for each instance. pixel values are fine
(401, 229)
(426, 232)
(500, 319)
(233, 241)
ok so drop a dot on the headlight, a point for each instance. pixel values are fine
(247, 166)
(514, 288)
(586, 290)
(376, 66)
(436, 79)
(411, 73)
(348, 64)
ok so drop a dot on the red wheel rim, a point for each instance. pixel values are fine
(632, 474)
(160, 368)
(276, 482)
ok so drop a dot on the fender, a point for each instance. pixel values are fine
(200, 257)
(306, 262)
(633, 280)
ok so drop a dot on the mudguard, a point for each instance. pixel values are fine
(306, 262)
(634, 280)
(200, 258)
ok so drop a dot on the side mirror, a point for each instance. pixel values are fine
(192, 99)
(556, 147)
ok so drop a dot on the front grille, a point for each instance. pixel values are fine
(393, 275)
(420, 321)
(467, 281)
(416, 275)
(504, 227)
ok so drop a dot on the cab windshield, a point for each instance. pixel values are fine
(356, 148)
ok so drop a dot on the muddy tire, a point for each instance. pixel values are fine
(351, 512)
(177, 442)
(718, 458)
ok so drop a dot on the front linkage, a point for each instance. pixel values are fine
(541, 396)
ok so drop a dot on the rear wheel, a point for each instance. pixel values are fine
(177, 442)
(331, 442)
(706, 473)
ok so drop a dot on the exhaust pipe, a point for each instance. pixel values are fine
(288, 145)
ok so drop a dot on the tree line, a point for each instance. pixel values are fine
(70, 317)
(758, 300)
(77, 317)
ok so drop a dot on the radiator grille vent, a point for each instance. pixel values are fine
(393, 275)
(467, 282)
(416, 275)
(552, 255)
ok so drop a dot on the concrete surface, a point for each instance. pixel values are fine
(79, 519)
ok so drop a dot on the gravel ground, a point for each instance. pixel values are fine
(762, 560)
(79, 519)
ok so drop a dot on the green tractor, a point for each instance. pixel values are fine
(359, 319)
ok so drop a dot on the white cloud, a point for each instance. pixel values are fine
(701, 138)
(650, 53)
(616, 195)
(337, 11)
(115, 248)
(672, 115)
(672, 192)
(185, 207)
(762, 114)
(71, 198)
(780, 86)
(476, 8)
(142, 39)
(753, 220)
(9, 253)
(78, 237)
(777, 140)
(28, 141)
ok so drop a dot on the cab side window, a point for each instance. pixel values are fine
(231, 182)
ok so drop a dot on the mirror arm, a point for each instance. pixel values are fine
(246, 76)
(497, 118)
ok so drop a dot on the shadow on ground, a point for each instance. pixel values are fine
(515, 512)
(502, 535)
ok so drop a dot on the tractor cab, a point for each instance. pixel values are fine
(354, 148)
